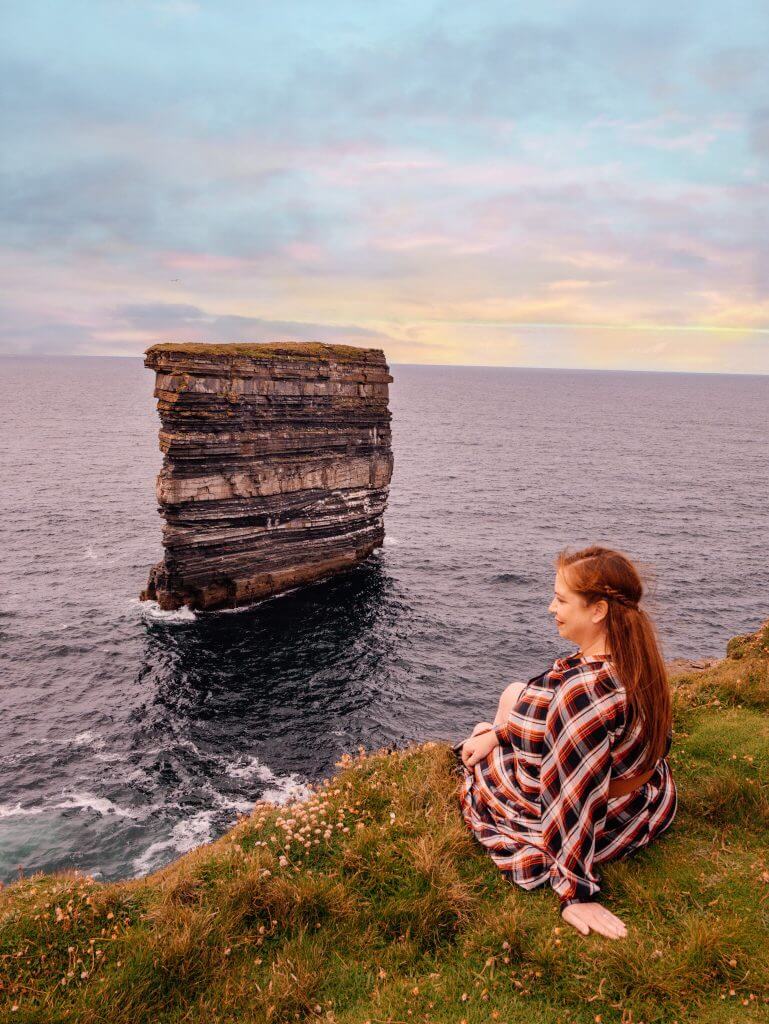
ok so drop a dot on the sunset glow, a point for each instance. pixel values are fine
(571, 184)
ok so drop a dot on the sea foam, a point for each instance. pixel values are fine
(100, 804)
(152, 610)
(7, 811)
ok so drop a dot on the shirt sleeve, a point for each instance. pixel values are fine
(582, 720)
(503, 733)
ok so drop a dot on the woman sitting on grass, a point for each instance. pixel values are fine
(573, 772)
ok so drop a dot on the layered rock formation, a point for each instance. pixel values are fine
(276, 471)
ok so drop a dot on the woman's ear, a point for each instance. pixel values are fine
(600, 610)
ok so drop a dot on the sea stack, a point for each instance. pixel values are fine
(276, 469)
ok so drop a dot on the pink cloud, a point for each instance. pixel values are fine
(305, 252)
(203, 262)
(670, 131)
(575, 284)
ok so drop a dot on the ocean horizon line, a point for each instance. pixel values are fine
(454, 366)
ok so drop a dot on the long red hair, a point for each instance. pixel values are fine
(598, 573)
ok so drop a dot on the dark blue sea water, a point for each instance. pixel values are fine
(129, 735)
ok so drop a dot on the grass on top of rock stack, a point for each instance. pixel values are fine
(372, 902)
(266, 350)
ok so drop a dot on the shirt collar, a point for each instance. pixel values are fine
(564, 662)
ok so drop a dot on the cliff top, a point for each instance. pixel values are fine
(268, 350)
(371, 901)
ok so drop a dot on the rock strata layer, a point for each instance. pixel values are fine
(276, 470)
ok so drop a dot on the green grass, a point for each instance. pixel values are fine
(396, 914)
(266, 350)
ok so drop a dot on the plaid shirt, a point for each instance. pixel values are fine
(539, 801)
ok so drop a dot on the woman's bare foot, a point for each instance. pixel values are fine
(587, 917)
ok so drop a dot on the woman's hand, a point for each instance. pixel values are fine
(592, 916)
(475, 748)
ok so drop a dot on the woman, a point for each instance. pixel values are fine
(573, 772)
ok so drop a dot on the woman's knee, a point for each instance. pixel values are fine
(508, 699)
(511, 692)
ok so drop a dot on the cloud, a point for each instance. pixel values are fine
(157, 316)
(734, 69)
(130, 328)
(190, 323)
(179, 322)
(106, 201)
(44, 338)
(759, 132)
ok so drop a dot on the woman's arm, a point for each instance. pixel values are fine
(478, 746)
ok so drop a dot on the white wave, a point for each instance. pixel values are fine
(100, 804)
(191, 832)
(89, 553)
(152, 610)
(390, 541)
(126, 774)
(254, 604)
(6, 811)
(242, 806)
(250, 768)
(88, 739)
(282, 787)
(287, 791)
(188, 744)
(185, 836)
(110, 758)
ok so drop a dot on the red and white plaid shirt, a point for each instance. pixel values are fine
(539, 802)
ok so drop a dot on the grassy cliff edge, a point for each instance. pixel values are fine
(371, 901)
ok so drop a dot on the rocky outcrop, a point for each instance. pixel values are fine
(676, 666)
(276, 470)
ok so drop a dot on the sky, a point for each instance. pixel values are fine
(571, 183)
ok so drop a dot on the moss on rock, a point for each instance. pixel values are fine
(265, 350)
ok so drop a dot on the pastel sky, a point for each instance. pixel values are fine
(571, 183)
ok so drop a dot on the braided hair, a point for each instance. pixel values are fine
(600, 573)
(617, 595)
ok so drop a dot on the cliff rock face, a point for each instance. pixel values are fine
(276, 470)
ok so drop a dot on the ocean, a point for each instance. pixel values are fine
(131, 735)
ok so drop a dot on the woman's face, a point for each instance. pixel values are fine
(575, 620)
